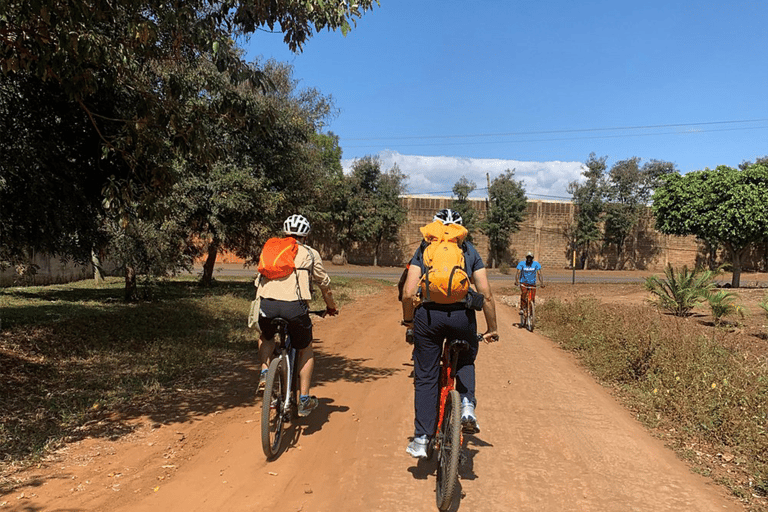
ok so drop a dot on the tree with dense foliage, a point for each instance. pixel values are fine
(235, 204)
(367, 207)
(50, 152)
(461, 190)
(762, 160)
(628, 193)
(507, 207)
(588, 198)
(148, 88)
(725, 205)
(623, 204)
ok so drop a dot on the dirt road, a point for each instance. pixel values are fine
(551, 440)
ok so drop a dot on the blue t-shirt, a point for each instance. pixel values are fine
(472, 259)
(528, 273)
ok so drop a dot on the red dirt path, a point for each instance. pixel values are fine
(552, 440)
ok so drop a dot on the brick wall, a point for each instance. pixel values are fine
(544, 232)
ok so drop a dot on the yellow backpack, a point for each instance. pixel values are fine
(445, 280)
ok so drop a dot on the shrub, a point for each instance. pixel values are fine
(722, 304)
(681, 291)
(764, 305)
(505, 269)
(673, 375)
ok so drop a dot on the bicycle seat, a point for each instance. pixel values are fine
(458, 345)
(279, 321)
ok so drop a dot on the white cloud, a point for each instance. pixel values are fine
(437, 174)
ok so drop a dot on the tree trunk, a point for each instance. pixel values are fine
(98, 271)
(130, 283)
(736, 263)
(210, 262)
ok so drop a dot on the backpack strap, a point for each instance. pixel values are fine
(307, 270)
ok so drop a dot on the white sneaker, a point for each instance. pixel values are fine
(418, 447)
(468, 418)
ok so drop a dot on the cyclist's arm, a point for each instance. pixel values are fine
(323, 280)
(541, 278)
(328, 297)
(517, 277)
(409, 291)
(480, 280)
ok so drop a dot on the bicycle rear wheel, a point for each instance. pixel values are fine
(272, 415)
(449, 453)
(531, 315)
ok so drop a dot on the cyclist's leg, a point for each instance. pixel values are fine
(523, 298)
(300, 329)
(267, 338)
(464, 326)
(427, 349)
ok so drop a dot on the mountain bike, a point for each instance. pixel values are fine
(447, 441)
(528, 314)
(281, 394)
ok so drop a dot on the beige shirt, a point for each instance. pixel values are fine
(296, 285)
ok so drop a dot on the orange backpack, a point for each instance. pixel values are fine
(277, 257)
(445, 280)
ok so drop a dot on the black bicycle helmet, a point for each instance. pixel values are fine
(448, 216)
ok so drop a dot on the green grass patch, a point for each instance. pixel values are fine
(676, 375)
(71, 353)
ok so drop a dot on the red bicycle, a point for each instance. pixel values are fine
(527, 310)
(447, 441)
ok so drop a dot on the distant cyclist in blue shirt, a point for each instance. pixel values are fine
(527, 271)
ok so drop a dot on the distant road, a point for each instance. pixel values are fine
(748, 279)
(393, 274)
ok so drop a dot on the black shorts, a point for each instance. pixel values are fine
(297, 314)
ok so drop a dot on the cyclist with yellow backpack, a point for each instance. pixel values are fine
(439, 304)
(287, 269)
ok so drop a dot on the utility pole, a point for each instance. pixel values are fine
(487, 212)
(573, 262)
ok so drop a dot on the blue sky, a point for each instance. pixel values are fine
(454, 89)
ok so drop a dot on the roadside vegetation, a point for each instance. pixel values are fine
(74, 355)
(701, 386)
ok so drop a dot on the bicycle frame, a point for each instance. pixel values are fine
(447, 381)
(526, 292)
(284, 350)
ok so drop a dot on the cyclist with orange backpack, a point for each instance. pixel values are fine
(438, 304)
(287, 269)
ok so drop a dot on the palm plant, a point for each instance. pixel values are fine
(764, 305)
(722, 304)
(679, 292)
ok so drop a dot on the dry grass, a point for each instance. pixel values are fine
(70, 354)
(701, 387)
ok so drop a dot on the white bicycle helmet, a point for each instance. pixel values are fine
(448, 216)
(296, 225)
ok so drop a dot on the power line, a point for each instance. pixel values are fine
(547, 132)
(560, 139)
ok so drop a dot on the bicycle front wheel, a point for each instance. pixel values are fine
(272, 414)
(449, 453)
(531, 315)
